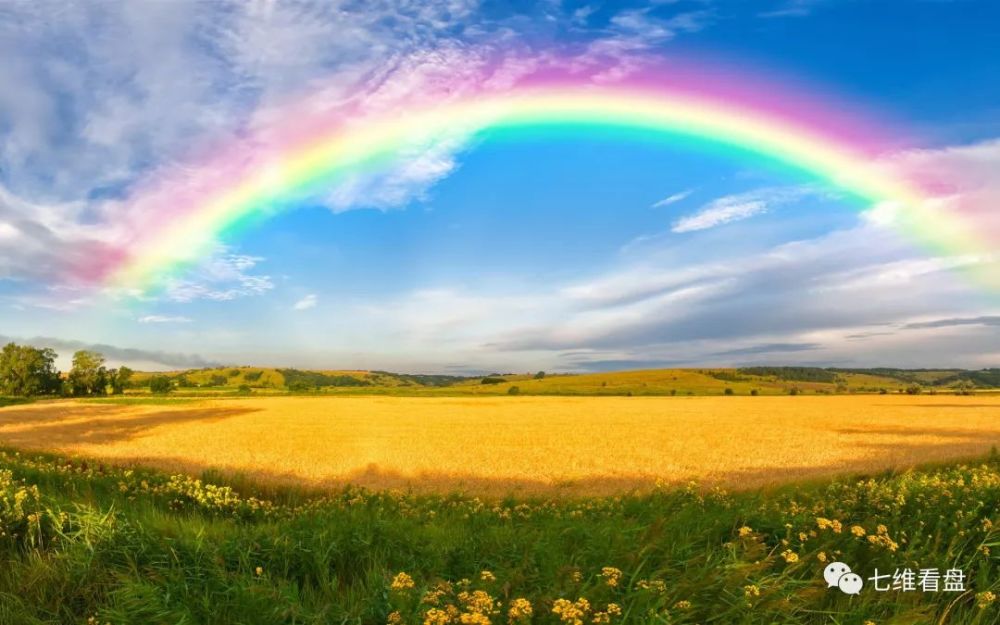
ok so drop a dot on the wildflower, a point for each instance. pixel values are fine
(402, 581)
(478, 601)
(611, 576)
(572, 612)
(821, 556)
(745, 531)
(434, 616)
(984, 550)
(473, 618)
(984, 599)
(869, 623)
(259, 571)
(487, 576)
(520, 610)
(614, 609)
(656, 585)
(790, 556)
(858, 531)
(828, 524)
(395, 618)
(683, 604)
(751, 590)
(576, 576)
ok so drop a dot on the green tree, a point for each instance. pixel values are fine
(160, 384)
(540, 375)
(88, 375)
(119, 379)
(26, 371)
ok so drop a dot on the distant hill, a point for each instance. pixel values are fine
(762, 380)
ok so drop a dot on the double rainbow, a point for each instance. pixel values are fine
(314, 153)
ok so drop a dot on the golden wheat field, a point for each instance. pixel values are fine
(582, 445)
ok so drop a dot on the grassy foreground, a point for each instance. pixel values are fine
(85, 543)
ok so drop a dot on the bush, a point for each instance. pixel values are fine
(244, 389)
(492, 380)
(793, 391)
(540, 375)
(754, 392)
(160, 384)
(514, 390)
(913, 389)
(728, 391)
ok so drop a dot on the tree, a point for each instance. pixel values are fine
(88, 375)
(728, 391)
(540, 375)
(160, 384)
(513, 390)
(119, 379)
(26, 371)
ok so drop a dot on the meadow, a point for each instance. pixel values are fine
(85, 542)
(514, 445)
(383, 510)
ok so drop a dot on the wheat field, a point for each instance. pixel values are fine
(578, 445)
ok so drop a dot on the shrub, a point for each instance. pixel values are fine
(754, 392)
(160, 384)
(913, 389)
(490, 379)
(245, 389)
(793, 391)
(728, 391)
(514, 390)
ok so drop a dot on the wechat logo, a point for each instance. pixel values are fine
(839, 575)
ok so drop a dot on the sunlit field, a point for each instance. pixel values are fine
(533, 445)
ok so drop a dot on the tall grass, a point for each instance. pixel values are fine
(80, 541)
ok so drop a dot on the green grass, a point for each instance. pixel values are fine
(81, 539)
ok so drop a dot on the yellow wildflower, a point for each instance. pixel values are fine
(614, 609)
(572, 612)
(984, 599)
(259, 571)
(751, 590)
(858, 531)
(487, 576)
(473, 618)
(745, 531)
(434, 616)
(520, 610)
(395, 618)
(821, 556)
(402, 581)
(683, 604)
(790, 556)
(611, 575)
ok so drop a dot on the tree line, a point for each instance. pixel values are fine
(27, 371)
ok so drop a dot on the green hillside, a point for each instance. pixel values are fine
(679, 382)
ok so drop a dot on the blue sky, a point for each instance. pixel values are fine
(558, 252)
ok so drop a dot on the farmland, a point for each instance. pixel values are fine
(525, 445)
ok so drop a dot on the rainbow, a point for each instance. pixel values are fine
(181, 215)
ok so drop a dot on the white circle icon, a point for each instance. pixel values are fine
(850, 583)
(833, 571)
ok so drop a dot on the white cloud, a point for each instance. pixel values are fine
(307, 302)
(163, 319)
(223, 276)
(673, 199)
(737, 207)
